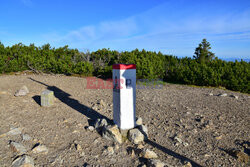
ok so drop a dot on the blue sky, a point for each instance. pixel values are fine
(171, 26)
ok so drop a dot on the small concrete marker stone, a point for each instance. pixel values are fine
(17, 147)
(47, 98)
(22, 92)
(23, 161)
(135, 136)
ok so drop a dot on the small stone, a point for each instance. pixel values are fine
(82, 154)
(101, 102)
(91, 128)
(26, 137)
(113, 133)
(116, 146)
(110, 150)
(17, 147)
(242, 157)
(210, 94)
(100, 124)
(187, 164)
(223, 95)
(155, 163)
(96, 141)
(135, 136)
(139, 121)
(144, 130)
(140, 146)
(185, 144)
(218, 137)
(22, 92)
(47, 98)
(178, 139)
(40, 149)
(23, 161)
(14, 131)
(148, 154)
(234, 96)
(131, 152)
(78, 147)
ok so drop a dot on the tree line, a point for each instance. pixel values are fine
(204, 69)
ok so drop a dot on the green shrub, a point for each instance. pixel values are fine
(149, 65)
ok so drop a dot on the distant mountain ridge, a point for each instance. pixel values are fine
(234, 58)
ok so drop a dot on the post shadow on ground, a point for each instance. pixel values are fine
(74, 104)
(93, 115)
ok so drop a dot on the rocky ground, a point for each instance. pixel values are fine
(187, 126)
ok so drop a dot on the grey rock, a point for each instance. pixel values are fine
(40, 149)
(22, 92)
(110, 150)
(223, 95)
(187, 164)
(100, 124)
(185, 144)
(135, 136)
(78, 147)
(178, 139)
(139, 121)
(91, 128)
(148, 154)
(112, 133)
(23, 161)
(234, 96)
(14, 131)
(17, 147)
(26, 137)
(210, 94)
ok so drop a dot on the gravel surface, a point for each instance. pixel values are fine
(184, 123)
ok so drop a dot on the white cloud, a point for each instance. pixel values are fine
(164, 26)
(88, 36)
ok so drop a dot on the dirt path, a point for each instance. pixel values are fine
(185, 123)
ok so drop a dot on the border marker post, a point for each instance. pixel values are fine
(124, 95)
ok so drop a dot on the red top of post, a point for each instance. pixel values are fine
(124, 66)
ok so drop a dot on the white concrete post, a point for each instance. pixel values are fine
(124, 95)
